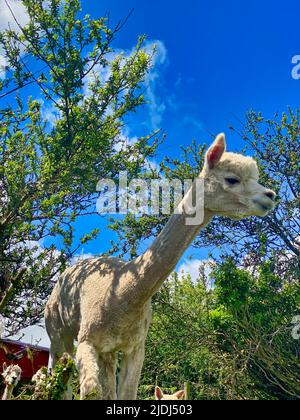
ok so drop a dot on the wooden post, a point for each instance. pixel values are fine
(187, 391)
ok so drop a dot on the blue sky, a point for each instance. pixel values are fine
(216, 60)
(223, 57)
(220, 59)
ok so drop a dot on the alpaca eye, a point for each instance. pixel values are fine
(232, 181)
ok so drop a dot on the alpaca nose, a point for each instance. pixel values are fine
(270, 194)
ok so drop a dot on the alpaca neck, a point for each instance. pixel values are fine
(7, 393)
(154, 266)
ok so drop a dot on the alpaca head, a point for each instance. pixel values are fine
(231, 184)
(159, 395)
(11, 375)
(40, 377)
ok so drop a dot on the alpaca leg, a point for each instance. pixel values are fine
(61, 340)
(60, 343)
(87, 360)
(69, 349)
(129, 377)
(107, 375)
(56, 350)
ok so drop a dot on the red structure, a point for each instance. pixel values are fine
(30, 358)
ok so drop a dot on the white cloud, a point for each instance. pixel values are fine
(161, 54)
(36, 335)
(81, 257)
(124, 140)
(6, 18)
(50, 113)
(37, 249)
(153, 165)
(7, 21)
(157, 107)
(100, 72)
(2, 67)
(195, 267)
(191, 121)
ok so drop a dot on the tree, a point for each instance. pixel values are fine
(232, 341)
(244, 338)
(184, 345)
(258, 326)
(49, 169)
(275, 144)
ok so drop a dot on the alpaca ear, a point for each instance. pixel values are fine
(158, 393)
(180, 394)
(4, 366)
(215, 152)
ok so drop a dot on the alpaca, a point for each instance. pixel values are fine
(39, 379)
(57, 385)
(159, 395)
(105, 303)
(11, 375)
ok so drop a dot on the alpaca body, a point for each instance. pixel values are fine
(105, 303)
(39, 381)
(100, 289)
(101, 334)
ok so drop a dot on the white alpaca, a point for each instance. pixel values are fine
(39, 380)
(105, 303)
(44, 383)
(11, 375)
(159, 395)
